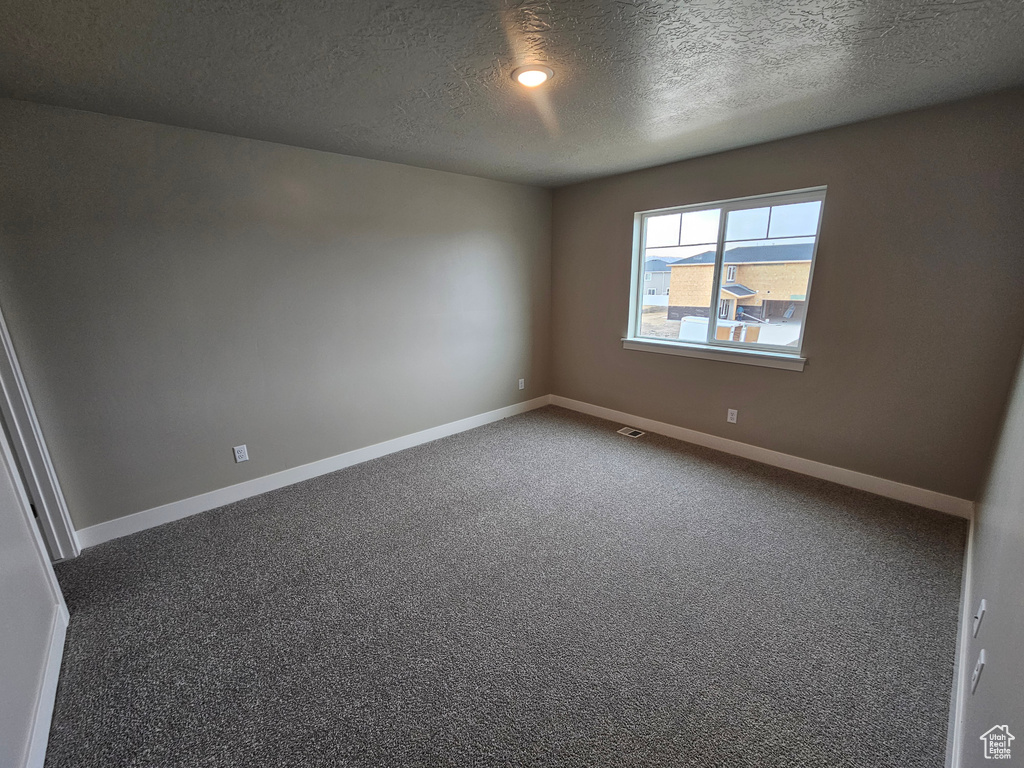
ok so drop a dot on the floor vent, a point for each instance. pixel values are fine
(630, 432)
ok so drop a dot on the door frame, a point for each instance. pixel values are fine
(33, 458)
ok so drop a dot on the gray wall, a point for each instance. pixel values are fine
(173, 293)
(28, 608)
(915, 318)
(997, 575)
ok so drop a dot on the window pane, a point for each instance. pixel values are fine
(699, 227)
(795, 220)
(682, 312)
(654, 320)
(674, 254)
(750, 224)
(758, 251)
(662, 230)
(764, 303)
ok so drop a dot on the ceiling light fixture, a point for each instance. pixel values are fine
(533, 75)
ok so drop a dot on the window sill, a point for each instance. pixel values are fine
(705, 352)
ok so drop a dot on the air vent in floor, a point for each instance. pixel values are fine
(630, 432)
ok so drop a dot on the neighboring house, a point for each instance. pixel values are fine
(760, 282)
(656, 277)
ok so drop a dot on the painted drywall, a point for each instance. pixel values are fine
(997, 576)
(30, 613)
(915, 318)
(173, 293)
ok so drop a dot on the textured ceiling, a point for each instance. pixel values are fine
(637, 83)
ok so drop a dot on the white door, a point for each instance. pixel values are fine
(33, 619)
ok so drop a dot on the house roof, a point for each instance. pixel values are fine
(751, 254)
(656, 265)
(739, 291)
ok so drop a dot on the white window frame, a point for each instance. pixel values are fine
(730, 273)
(772, 356)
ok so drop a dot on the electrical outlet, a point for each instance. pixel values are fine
(241, 453)
(730, 415)
(522, 383)
(978, 617)
(980, 665)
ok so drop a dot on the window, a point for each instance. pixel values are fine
(738, 274)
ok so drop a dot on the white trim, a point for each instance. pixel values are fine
(28, 443)
(961, 671)
(890, 488)
(140, 521)
(7, 461)
(40, 735)
(725, 207)
(709, 264)
(725, 354)
(805, 195)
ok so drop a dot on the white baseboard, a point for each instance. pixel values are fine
(961, 661)
(890, 488)
(140, 521)
(113, 529)
(40, 736)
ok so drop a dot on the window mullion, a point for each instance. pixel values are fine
(639, 314)
(716, 283)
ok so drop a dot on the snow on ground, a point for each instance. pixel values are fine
(776, 334)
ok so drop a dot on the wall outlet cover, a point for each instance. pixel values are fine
(241, 453)
(978, 616)
(979, 665)
(731, 415)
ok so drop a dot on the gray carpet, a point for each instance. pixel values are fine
(537, 592)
